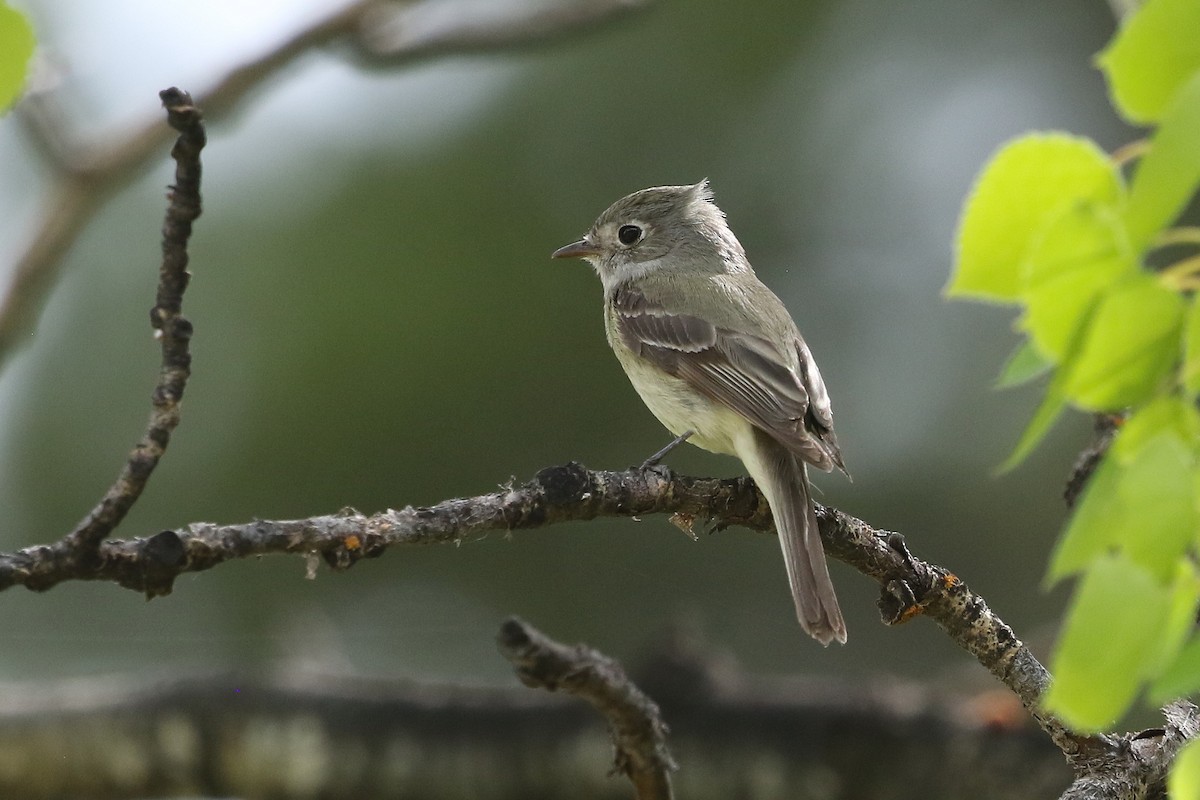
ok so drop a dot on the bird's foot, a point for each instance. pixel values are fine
(654, 460)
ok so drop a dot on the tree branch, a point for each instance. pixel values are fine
(171, 328)
(292, 734)
(378, 32)
(1104, 432)
(392, 33)
(910, 587)
(1135, 767)
(638, 732)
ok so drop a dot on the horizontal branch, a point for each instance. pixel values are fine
(558, 494)
(910, 587)
(295, 735)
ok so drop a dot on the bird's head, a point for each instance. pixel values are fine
(636, 234)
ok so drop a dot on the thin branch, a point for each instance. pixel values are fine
(394, 33)
(911, 587)
(1104, 432)
(170, 327)
(88, 177)
(638, 732)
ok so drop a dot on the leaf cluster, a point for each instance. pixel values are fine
(1087, 246)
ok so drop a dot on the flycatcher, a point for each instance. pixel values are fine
(717, 358)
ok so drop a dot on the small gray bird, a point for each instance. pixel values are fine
(717, 358)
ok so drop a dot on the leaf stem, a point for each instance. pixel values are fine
(1130, 151)
(1184, 275)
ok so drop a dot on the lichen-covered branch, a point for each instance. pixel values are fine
(910, 587)
(638, 731)
(1135, 765)
(558, 494)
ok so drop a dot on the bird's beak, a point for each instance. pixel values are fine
(581, 249)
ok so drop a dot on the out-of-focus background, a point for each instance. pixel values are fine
(378, 324)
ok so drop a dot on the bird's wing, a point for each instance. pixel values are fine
(745, 372)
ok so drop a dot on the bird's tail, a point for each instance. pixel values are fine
(783, 479)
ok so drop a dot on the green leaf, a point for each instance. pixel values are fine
(1131, 342)
(1158, 505)
(1181, 676)
(1166, 177)
(1180, 620)
(1028, 182)
(1024, 365)
(1043, 419)
(1184, 778)
(1191, 349)
(1113, 626)
(1156, 51)
(1081, 252)
(16, 47)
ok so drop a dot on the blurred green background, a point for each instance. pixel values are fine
(378, 324)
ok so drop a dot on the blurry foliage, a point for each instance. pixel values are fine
(16, 48)
(1054, 227)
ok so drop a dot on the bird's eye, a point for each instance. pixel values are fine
(629, 234)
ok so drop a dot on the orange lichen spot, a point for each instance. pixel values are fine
(352, 542)
(908, 613)
(950, 581)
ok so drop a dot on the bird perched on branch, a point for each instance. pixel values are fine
(716, 357)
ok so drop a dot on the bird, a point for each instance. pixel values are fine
(716, 357)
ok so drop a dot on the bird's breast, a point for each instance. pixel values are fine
(679, 407)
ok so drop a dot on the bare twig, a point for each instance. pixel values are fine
(638, 732)
(395, 33)
(1106, 427)
(171, 328)
(88, 177)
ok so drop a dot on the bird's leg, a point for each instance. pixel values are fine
(653, 460)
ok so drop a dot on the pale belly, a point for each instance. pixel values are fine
(680, 408)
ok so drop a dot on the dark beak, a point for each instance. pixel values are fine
(580, 249)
